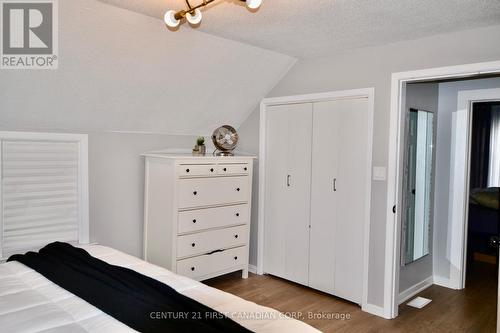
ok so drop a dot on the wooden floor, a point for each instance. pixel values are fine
(470, 310)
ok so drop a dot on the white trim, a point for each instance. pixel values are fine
(252, 269)
(415, 289)
(1, 200)
(393, 181)
(311, 98)
(83, 185)
(374, 310)
(443, 282)
(146, 210)
(83, 171)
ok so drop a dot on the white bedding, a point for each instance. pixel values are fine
(31, 303)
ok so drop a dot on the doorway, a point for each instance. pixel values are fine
(483, 217)
(454, 254)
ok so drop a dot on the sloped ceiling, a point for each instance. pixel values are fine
(314, 28)
(123, 71)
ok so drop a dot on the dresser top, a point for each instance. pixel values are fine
(188, 156)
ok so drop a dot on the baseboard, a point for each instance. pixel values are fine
(374, 310)
(444, 282)
(252, 269)
(415, 289)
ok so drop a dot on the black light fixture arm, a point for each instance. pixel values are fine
(193, 14)
(182, 13)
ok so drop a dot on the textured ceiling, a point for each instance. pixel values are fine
(312, 28)
(121, 71)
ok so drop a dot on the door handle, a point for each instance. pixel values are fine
(495, 242)
(288, 177)
(334, 184)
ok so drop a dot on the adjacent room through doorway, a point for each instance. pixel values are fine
(483, 225)
(451, 181)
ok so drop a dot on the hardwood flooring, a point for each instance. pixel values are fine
(470, 310)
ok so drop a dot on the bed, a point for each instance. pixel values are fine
(484, 220)
(31, 216)
(29, 302)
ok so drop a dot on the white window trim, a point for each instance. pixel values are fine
(83, 176)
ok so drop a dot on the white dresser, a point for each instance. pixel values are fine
(197, 213)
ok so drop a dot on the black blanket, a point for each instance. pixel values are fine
(138, 301)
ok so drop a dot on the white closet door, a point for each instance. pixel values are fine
(288, 174)
(351, 189)
(338, 189)
(323, 196)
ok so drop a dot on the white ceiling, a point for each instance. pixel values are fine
(313, 28)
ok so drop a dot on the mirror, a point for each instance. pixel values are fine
(418, 185)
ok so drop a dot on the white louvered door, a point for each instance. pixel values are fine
(43, 193)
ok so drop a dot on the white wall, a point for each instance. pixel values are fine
(420, 96)
(372, 67)
(448, 97)
(134, 86)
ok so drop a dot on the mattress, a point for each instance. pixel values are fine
(31, 303)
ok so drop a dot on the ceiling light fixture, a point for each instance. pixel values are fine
(193, 14)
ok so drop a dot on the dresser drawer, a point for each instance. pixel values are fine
(233, 169)
(189, 170)
(208, 218)
(208, 241)
(212, 263)
(199, 192)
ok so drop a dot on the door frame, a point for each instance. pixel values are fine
(466, 101)
(395, 162)
(368, 93)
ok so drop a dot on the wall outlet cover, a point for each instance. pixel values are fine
(380, 173)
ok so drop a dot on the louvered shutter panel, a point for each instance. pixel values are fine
(40, 194)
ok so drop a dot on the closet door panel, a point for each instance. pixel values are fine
(351, 191)
(299, 192)
(276, 211)
(288, 172)
(323, 196)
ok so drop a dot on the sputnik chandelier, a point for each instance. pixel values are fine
(193, 13)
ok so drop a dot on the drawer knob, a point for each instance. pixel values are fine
(187, 170)
(235, 258)
(238, 189)
(212, 170)
(225, 169)
(237, 214)
(245, 168)
(194, 221)
(192, 268)
(193, 245)
(235, 236)
(195, 192)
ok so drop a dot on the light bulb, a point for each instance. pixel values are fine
(170, 19)
(253, 4)
(194, 19)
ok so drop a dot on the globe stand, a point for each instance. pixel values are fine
(223, 153)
